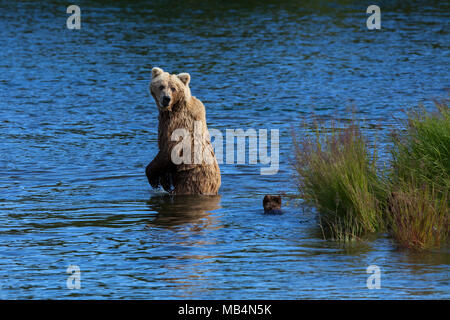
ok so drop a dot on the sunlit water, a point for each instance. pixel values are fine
(78, 127)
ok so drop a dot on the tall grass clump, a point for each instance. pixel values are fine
(419, 217)
(418, 206)
(422, 154)
(337, 175)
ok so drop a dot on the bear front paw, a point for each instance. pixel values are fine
(154, 182)
(153, 178)
(166, 181)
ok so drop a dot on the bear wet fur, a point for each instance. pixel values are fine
(178, 109)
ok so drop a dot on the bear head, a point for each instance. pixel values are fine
(169, 89)
(271, 203)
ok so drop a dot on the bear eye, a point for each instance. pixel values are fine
(173, 88)
(161, 87)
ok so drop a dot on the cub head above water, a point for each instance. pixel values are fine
(272, 204)
(169, 89)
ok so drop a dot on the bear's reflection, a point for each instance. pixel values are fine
(176, 210)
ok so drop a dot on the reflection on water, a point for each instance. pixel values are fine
(196, 212)
(78, 127)
(173, 211)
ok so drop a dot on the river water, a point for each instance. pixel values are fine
(78, 127)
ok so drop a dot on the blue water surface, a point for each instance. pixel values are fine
(78, 127)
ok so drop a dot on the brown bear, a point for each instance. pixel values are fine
(185, 163)
(272, 204)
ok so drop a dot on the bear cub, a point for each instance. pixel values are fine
(272, 204)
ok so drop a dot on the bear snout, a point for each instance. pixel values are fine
(165, 101)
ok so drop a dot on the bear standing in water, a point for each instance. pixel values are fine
(185, 163)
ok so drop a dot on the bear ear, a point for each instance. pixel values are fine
(156, 72)
(185, 78)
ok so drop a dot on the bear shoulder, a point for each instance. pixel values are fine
(197, 108)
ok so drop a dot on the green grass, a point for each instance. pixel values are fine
(418, 217)
(337, 175)
(418, 207)
(422, 154)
